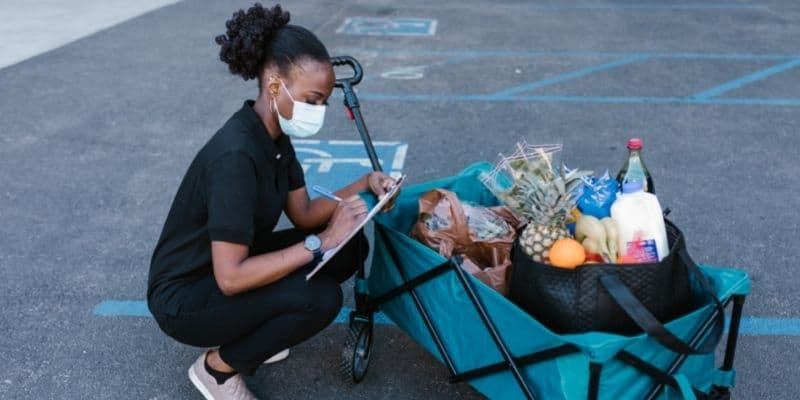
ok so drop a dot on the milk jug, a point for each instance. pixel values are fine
(642, 234)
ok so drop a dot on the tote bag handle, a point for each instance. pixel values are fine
(634, 308)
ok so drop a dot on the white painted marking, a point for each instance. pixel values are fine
(433, 26)
(405, 73)
(399, 158)
(345, 142)
(30, 28)
(358, 142)
(304, 141)
(326, 164)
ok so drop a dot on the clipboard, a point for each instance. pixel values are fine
(375, 210)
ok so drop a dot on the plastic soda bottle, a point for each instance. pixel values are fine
(634, 169)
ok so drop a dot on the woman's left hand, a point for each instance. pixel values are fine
(380, 183)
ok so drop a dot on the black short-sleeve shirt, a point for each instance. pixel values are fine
(234, 191)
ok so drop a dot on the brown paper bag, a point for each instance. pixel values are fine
(482, 236)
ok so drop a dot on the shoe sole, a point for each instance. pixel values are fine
(199, 385)
(284, 354)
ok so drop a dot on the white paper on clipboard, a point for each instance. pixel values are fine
(375, 210)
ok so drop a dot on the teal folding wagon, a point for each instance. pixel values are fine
(486, 340)
(503, 352)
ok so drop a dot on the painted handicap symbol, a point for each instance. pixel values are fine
(374, 26)
(336, 163)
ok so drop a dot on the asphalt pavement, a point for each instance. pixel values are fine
(95, 135)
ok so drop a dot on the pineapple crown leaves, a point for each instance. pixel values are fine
(543, 197)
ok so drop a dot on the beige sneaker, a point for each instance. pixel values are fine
(282, 355)
(233, 389)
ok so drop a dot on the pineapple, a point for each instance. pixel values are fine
(536, 240)
(545, 199)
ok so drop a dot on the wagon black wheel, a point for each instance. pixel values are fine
(356, 350)
(719, 393)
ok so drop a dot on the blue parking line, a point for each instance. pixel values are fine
(770, 326)
(747, 79)
(134, 308)
(567, 76)
(578, 99)
(123, 308)
(568, 54)
(750, 326)
(660, 100)
(645, 7)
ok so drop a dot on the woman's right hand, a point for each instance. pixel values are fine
(349, 213)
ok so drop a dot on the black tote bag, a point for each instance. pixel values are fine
(615, 298)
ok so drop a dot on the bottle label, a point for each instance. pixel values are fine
(642, 251)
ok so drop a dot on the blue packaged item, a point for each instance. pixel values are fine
(598, 196)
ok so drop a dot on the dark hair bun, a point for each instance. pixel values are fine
(245, 43)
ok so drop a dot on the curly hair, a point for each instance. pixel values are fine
(262, 37)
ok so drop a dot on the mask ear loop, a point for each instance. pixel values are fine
(287, 91)
(288, 94)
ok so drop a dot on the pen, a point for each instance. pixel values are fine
(326, 193)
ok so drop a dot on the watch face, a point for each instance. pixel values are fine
(313, 243)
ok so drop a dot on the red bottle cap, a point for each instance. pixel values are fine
(635, 143)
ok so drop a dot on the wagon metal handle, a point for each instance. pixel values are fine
(358, 72)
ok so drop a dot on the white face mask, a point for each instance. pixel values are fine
(306, 119)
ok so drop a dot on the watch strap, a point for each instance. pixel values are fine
(317, 255)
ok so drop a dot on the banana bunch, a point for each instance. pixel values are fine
(598, 236)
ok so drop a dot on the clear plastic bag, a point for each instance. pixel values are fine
(485, 223)
(533, 185)
(527, 162)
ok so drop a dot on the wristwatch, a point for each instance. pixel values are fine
(314, 245)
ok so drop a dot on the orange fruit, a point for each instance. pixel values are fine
(567, 253)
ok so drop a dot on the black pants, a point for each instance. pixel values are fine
(255, 325)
